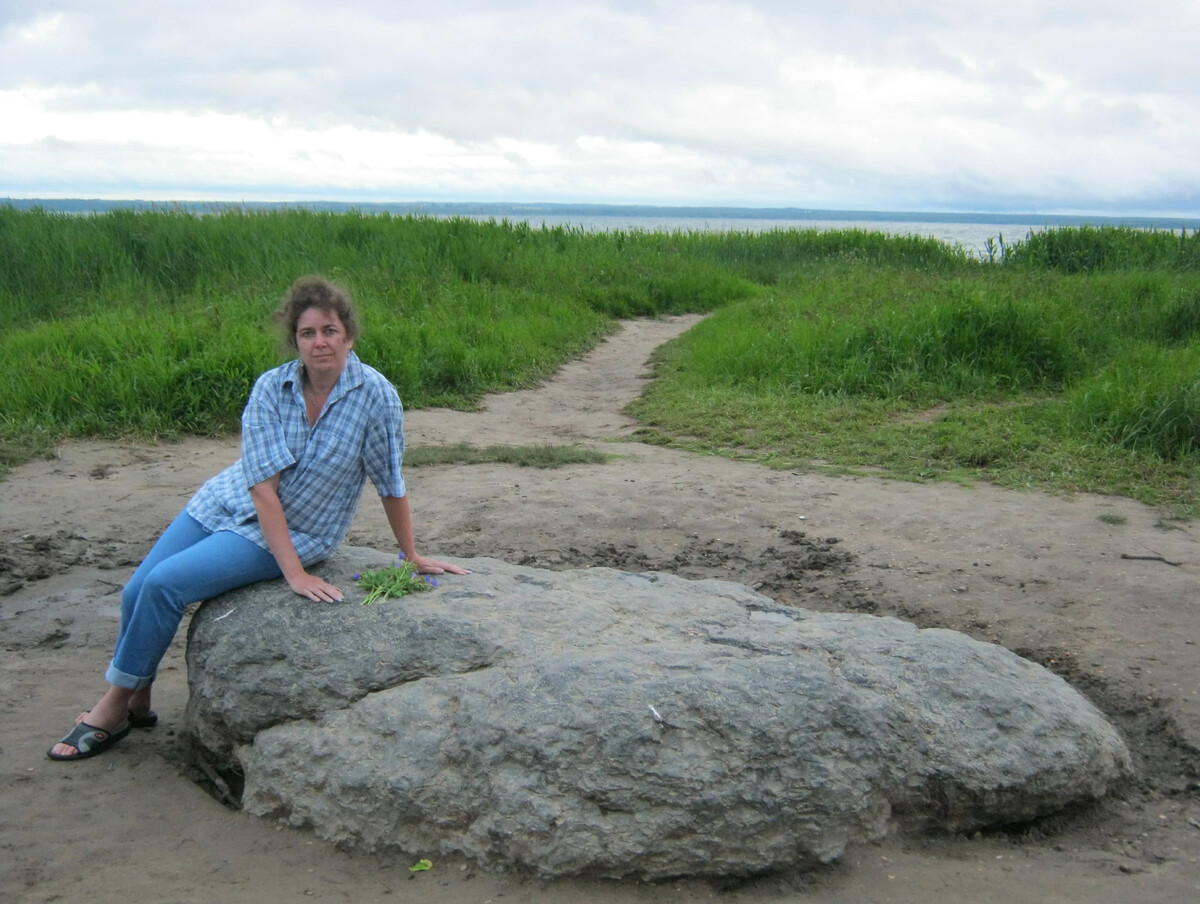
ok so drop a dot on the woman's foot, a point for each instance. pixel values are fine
(109, 717)
(85, 741)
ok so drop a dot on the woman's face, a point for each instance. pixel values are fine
(323, 343)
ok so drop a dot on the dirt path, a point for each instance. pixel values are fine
(1041, 575)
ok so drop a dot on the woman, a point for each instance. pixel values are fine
(312, 432)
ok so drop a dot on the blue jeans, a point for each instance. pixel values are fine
(187, 564)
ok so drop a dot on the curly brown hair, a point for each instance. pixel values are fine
(315, 292)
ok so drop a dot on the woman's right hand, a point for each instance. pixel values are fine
(265, 496)
(314, 588)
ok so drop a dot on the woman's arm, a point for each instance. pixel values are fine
(399, 516)
(273, 522)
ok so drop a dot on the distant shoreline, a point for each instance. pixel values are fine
(503, 210)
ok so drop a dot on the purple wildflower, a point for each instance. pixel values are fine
(355, 577)
(401, 556)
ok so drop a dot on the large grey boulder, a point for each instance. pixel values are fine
(595, 722)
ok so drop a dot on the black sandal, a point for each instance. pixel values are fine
(88, 741)
(149, 720)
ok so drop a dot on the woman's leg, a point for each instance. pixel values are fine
(181, 533)
(182, 573)
(204, 569)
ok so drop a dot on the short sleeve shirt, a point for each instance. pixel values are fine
(322, 469)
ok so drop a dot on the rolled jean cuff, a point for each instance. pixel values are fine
(116, 677)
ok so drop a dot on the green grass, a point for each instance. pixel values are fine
(1087, 249)
(156, 323)
(524, 456)
(397, 580)
(1069, 361)
(1063, 382)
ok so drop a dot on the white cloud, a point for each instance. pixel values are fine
(871, 104)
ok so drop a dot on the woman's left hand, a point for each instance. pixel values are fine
(426, 565)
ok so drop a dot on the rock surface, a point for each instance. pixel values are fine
(601, 723)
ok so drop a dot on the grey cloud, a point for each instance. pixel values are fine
(1020, 87)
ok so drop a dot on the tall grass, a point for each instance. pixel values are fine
(921, 339)
(56, 264)
(1086, 381)
(1088, 249)
(780, 255)
(156, 322)
(1147, 399)
(1071, 361)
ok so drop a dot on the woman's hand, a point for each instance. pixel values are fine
(271, 519)
(314, 588)
(426, 565)
(400, 518)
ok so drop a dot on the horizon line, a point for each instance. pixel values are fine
(604, 208)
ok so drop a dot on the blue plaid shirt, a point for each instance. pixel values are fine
(322, 469)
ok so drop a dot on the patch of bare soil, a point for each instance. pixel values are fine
(1044, 576)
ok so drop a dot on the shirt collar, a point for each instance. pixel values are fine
(351, 377)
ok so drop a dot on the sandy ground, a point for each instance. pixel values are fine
(1041, 575)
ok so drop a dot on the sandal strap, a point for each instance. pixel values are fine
(84, 737)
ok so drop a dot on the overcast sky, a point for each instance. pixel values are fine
(1050, 107)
